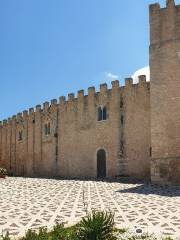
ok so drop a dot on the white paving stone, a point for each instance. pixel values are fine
(30, 203)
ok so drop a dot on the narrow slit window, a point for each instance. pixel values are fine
(122, 148)
(122, 120)
(49, 128)
(104, 113)
(45, 129)
(150, 151)
(99, 114)
(20, 137)
(121, 103)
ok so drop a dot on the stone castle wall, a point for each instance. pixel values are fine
(141, 135)
(165, 92)
(70, 150)
(137, 127)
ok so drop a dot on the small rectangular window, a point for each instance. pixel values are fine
(102, 113)
(47, 129)
(122, 120)
(20, 137)
(121, 103)
(99, 114)
(150, 151)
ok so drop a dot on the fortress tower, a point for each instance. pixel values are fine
(165, 92)
(131, 130)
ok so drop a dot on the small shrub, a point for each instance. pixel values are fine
(6, 237)
(97, 226)
(32, 235)
(121, 230)
(3, 172)
(59, 232)
(43, 234)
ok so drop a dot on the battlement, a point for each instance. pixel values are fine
(155, 8)
(164, 22)
(103, 132)
(128, 82)
(75, 98)
(93, 94)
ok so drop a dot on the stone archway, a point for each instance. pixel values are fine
(101, 163)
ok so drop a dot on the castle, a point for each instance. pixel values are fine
(130, 130)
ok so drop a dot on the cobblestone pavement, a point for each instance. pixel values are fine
(30, 203)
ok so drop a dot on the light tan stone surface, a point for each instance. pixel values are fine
(146, 144)
(165, 92)
(70, 149)
(30, 203)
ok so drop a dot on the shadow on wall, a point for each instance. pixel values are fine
(147, 189)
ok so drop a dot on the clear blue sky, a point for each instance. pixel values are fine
(51, 48)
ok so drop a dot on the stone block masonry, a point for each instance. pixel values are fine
(129, 130)
(165, 92)
(62, 139)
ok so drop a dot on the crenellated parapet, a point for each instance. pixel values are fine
(46, 106)
(78, 103)
(5, 122)
(91, 91)
(76, 100)
(142, 82)
(115, 84)
(164, 22)
(54, 103)
(128, 82)
(80, 95)
(33, 137)
(103, 88)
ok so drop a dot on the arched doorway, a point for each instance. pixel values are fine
(101, 163)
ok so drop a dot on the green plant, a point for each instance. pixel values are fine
(30, 235)
(98, 225)
(61, 233)
(6, 237)
(58, 233)
(42, 234)
(120, 231)
(168, 238)
(3, 172)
